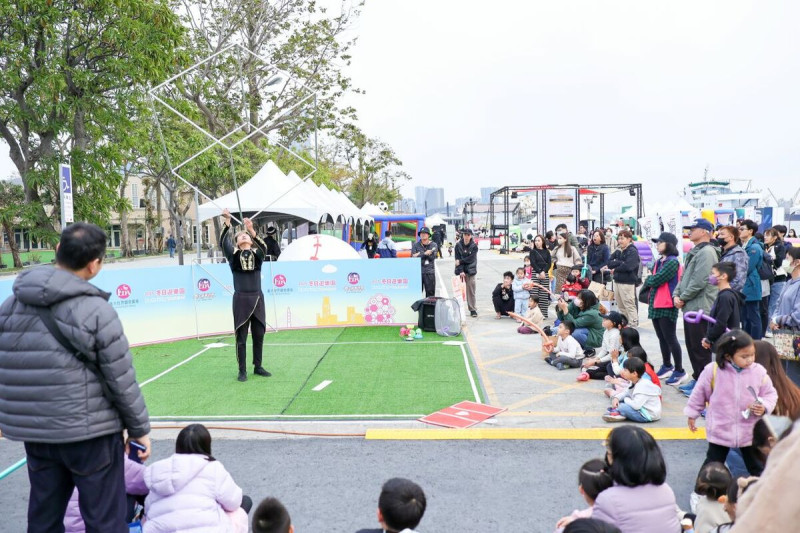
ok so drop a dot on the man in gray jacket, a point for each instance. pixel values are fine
(694, 292)
(70, 412)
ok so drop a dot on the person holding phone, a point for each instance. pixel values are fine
(72, 410)
(245, 253)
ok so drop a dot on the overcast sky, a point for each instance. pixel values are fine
(474, 94)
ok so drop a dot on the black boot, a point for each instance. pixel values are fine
(261, 371)
(242, 376)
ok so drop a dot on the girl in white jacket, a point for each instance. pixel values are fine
(192, 492)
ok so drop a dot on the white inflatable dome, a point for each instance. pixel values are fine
(318, 247)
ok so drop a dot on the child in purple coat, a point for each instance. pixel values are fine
(738, 392)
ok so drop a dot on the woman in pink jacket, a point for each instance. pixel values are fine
(192, 492)
(738, 392)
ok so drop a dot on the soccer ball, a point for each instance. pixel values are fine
(383, 206)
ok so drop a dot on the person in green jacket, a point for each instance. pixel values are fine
(584, 312)
(694, 292)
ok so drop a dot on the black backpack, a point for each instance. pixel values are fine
(765, 271)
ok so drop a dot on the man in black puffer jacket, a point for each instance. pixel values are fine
(70, 415)
(467, 266)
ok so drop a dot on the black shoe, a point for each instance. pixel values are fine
(242, 376)
(261, 371)
(247, 503)
(473, 313)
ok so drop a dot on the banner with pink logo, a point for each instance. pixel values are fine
(169, 303)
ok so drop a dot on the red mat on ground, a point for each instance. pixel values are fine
(461, 415)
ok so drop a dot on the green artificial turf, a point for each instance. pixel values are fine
(373, 372)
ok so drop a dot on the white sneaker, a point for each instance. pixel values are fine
(768, 334)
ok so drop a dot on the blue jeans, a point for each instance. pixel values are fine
(630, 413)
(751, 320)
(775, 293)
(580, 335)
(171, 251)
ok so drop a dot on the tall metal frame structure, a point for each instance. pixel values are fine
(505, 194)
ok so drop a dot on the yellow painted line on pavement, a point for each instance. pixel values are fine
(509, 357)
(599, 434)
(476, 354)
(544, 381)
(543, 396)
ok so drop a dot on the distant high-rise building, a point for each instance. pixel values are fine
(419, 197)
(486, 193)
(429, 199)
(405, 205)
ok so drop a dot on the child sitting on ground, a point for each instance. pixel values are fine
(521, 294)
(736, 488)
(574, 283)
(272, 517)
(641, 402)
(192, 491)
(592, 480)
(568, 352)
(534, 315)
(503, 296)
(595, 367)
(400, 507)
(712, 486)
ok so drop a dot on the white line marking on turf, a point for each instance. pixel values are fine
(469, 373)
(322, 385)
(173, 367)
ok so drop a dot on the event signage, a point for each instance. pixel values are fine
(167, 303)
(561, 207)
(65, 194)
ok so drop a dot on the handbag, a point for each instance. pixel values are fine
(787, 343)
(644, 295)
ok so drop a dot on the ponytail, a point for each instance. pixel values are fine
(730, 343)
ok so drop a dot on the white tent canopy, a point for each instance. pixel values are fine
(272, 192)
(435, 220)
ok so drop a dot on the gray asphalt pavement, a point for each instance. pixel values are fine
(333, 485)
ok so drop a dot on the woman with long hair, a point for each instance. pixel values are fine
(541, 261)
(597, 254)
(565, 257)
(788, 393)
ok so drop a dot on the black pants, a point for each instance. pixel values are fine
(699, 357)
(764, 312)
(95, 467)
(429, 283)
(600, 371)
(668, 340)
(503, 306)
(718, 453)
(257, 329)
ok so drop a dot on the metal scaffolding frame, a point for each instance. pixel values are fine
(505, 194)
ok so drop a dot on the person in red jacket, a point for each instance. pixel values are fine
(575, 283)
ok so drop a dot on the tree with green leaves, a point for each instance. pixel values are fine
(70, 71)
(11, 198)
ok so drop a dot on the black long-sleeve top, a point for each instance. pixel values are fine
(625, 264)
(726, 312)
(541, 260)
(245, 264)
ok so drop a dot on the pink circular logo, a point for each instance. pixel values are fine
(123, 291)
(203, 284)
(353, 278)
(279, 280)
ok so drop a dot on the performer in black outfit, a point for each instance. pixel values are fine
(248, 300)
(273, 248)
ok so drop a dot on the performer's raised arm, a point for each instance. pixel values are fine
(225, 239)
(261, 246)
